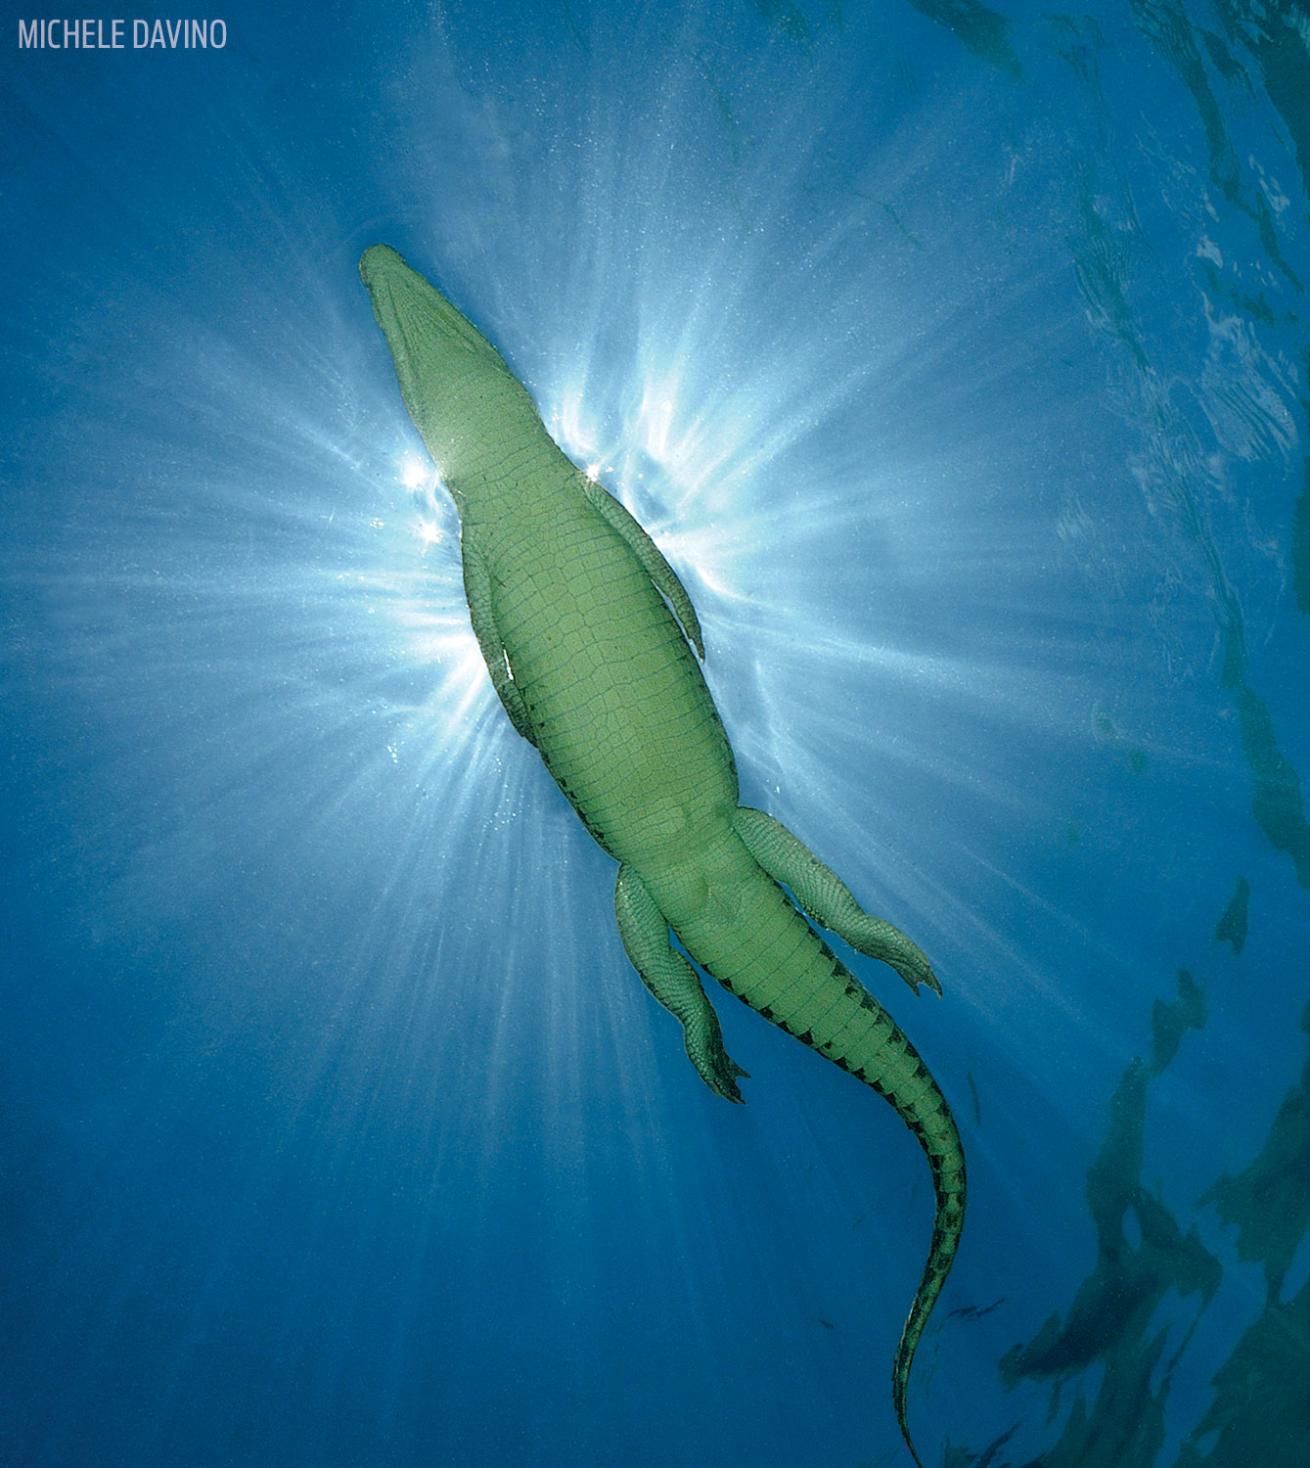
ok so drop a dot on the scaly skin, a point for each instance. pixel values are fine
(574, 610)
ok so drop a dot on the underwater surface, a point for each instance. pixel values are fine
(956, 355)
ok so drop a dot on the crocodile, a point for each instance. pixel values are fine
(594, 650)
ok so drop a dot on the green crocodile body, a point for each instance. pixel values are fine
(592, 645)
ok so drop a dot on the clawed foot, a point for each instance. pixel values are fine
(716, 1067)
(721, 1077)
(908, 959)
(916, 971)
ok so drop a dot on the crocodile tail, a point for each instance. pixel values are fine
(771, 959)
(941, 1144)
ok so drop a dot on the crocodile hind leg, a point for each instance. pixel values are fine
(824, 897)
(672, 980)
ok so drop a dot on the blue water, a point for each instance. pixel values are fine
(957, 357)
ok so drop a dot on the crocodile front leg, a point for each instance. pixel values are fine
(482, 613)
